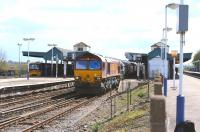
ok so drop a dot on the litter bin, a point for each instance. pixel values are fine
(186, 126)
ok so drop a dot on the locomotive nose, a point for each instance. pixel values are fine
(88, 77)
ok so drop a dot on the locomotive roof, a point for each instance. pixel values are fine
(102, 58)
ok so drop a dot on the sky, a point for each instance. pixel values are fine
(110, 27)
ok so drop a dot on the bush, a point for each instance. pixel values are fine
(96, 127)
(141, 94)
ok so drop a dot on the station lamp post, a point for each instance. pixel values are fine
(19, 59)
(52, 45)
(174, 54)
(165, 30)
(182, 27)
(28, 61)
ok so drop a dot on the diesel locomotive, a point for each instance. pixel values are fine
(95, 74)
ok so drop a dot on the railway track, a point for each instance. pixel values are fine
(69, 110)
(192, 74)
(32, 114)
(33, 105)
(60, 114)
(58, 108)
(33, 98)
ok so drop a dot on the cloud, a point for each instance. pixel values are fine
(110, 27)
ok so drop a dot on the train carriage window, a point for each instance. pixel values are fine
(104, 65)
(94, 65)
(108, 68)
(81, 65)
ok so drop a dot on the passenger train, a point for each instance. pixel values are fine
(95, 74)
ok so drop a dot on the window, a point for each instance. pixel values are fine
(80, 49)
(104, 65)
(81, 65)
(94, 65)
(108, 68)
(34, 66)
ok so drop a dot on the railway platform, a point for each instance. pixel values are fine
(191, 91)
(19, 86)
(14, 82)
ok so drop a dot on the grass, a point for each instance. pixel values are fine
(123, 121)
(119, 122)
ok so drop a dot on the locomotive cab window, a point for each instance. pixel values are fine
(108, 68)
(81, 65)
(94, 65)
(34, 66)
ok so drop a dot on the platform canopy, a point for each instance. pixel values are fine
(157, 52)
(57, 52)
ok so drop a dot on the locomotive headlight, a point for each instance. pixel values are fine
(98, 78)
(77, 78)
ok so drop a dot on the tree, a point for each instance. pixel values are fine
(2, 61)
(196, 56)
(196, 61)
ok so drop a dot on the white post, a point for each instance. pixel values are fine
(56, 66)
(65, 69)
(165, 46)
(52, 62)
(28, 63)
(182, 35)
(174, 72)
(165, 66)
(19, 59)
(138, 70)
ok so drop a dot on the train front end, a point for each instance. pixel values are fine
(88, 74)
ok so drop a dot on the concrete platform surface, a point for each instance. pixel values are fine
(124, 85)
(11, 82)
(191, 91)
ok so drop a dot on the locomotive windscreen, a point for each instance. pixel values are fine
(91, 65)
(94, 65)
(81, 65)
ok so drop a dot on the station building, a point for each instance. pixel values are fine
(154, 60)
(62, 59)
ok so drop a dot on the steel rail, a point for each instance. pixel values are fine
(36, 113)
(68, 111)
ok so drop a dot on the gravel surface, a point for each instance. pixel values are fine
(71, 122)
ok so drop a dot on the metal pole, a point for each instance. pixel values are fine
(165, 46)
(28, 63)
(182, 35)
(56, 66)
(174, 72)
(65, 69)
(28, 39)
(52, 62)
(19, 59)
(180, 108)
